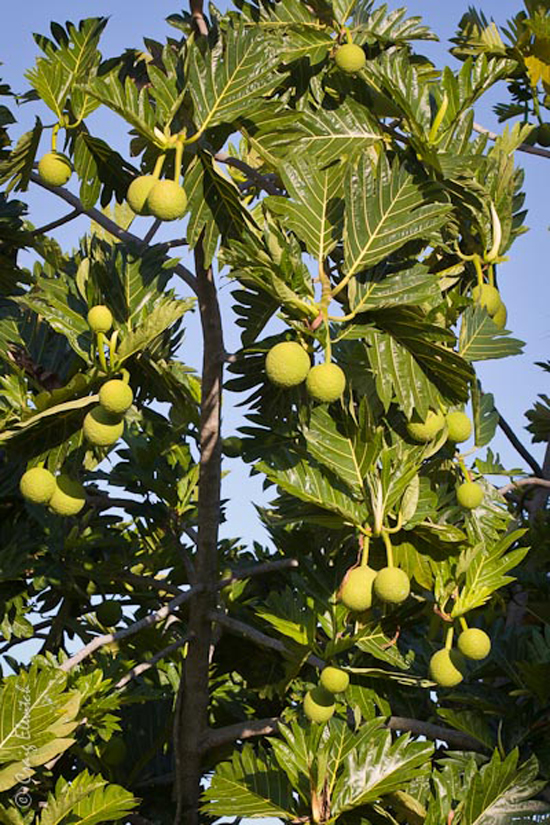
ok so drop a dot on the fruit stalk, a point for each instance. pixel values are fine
(389, 549)
(449, 636)
(365, 550)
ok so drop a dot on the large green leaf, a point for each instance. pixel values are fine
(86, 799)
(385, 209)
(165, 313)
(126, 100)
(410, 287)
(250, 785)
(480, 338)
(485, 415)
(17, 167)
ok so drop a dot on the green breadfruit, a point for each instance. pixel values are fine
(100, 318)
(69, 496)
(459, 426)
(488, 297)
(356, 589)
(319, 705)
(167, 201)
(501, 316)
(109, 613)
(447, 668)
(427, 430)
(114, 752)
(102, 428)
(392, 585)
(138, 192)
(334, 679)
(287, 364)
(350, 58)
(474, 643)
(55, 169)
(543, 135)
(326, 383)
(37, 485)
(116, 396)
(469, 495)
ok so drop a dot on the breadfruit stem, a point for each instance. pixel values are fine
(389, 549)
(463, 623)
(55, 130)
(125, 376)
(177, 161)
(365, 542)
(398, 526)
(465, 471)
(101, 341)
(112, 349)
(479, 271)
(492, 275)
(449, 635)
(158, 165)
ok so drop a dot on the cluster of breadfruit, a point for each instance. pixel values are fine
(448, 665)
(489, 298)
(288, 365)
(319, 703)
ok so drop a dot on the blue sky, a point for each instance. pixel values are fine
(515, 382)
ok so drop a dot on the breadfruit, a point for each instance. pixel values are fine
(100, 318)
(102, 428)
(474, 643)
(287, 364)
(501, 316)
(469, 495)
(459, 426)
(138, 192)
(427, 430)
(167, 200)
(334, 679)
(488, 297)
(69, 496)
(55, 169)
(114, 752)
(543, 135)
(37, 485)
(115, 396)
(356, 590)
(350, 58)
(319, 705)
(326, 383)
(447, 668)
(232, 446)
(392, 585)
(108, 613)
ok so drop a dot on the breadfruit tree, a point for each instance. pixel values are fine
(363, 662)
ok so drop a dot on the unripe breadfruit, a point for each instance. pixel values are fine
(501, 316)
(543, 134)
(350, 58)
(115, 396)
(469, 495)
(138, 192)
(102, 428)
(326, 383)
(287, 364)
(427, 430)
(55, 169)
(319, 705)
(392, 585)
(232, 446)
(447, 668)
(334, 679)
(167, 200)
(69, 496)
(114, 752)
(488, 297)
(474, 643)
(459, 426)
(108, 613)
(356, 590)
(37, 485)
(100, 318)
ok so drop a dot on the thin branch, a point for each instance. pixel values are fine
(109, 225)
(516, 443)
(261, 639)
(147, 621)
(265, 727)
(523, 147)
(152, 232)
(262, 181)
(258, 570)
(198, 16)
(141, 668)
(524, 482)
(59, 222)
(149, 582)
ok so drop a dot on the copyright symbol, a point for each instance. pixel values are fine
(23, 799)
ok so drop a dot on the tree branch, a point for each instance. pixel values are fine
(524, 482)
(262, 181)
(191, 717)
(147, 621)
(152, 232)
(141, 668)
(523, 147)
(198, 16)
(59, 222)
(258, 570)
(113, 228)
(516, 443)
